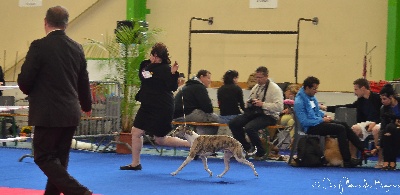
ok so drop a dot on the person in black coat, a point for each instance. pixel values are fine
(389, 136)
(367, 105)
(230, 97)
(55, 78)
(156, 110)
(197, 103)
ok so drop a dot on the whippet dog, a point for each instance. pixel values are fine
(205, 145)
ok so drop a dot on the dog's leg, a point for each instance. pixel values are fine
(204, 159)
(227, 158)
(246, 162)
(188, 159)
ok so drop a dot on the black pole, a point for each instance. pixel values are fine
(296, 59)
(190, 48)
(296, 65)
(243, 32)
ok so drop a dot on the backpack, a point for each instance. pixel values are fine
(309, 153)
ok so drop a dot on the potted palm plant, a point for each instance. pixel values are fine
(122, 53)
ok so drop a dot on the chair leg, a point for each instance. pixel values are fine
(294, 146)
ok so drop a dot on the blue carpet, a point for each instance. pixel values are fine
(100, 172)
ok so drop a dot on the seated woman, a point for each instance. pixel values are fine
(230, 97)
(390, 122)
(290, 94)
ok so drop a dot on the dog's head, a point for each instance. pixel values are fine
(181, 130)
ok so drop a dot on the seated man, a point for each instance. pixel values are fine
(266, 95)
(315, 122)
(368, 105)
(197, 103)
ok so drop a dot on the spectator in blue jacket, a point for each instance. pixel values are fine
(316, 122)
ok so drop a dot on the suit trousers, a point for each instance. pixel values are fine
(244, 124)
(51, 153)
(344, 135)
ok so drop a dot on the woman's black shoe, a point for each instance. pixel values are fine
(129, 167)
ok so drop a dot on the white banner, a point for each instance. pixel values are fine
(30, 3)
(271, 4)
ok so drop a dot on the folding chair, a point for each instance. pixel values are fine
(7, 101)
(283, 139)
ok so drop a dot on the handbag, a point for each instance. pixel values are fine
(254, 111)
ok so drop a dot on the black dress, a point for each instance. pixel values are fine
(157, 102)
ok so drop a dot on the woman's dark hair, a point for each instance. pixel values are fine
(310, 81)
(202, 73)
(387, 90)
(229, 76)
(161, 51)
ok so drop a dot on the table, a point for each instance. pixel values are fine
(13, 139)
(8, 115)
(9, 108)
(9, 87)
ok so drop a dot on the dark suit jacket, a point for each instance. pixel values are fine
(363, 113)
(55, 78)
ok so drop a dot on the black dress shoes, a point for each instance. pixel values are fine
(353, 163)
(130, 167)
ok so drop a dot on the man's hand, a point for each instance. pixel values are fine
(327, 119)
(257, 102)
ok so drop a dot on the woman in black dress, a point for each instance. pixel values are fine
(155, 114)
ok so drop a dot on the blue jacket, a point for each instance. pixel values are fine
(307, 115)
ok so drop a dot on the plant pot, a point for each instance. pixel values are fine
(124, 139)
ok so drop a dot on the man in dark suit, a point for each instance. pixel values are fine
(55, 78)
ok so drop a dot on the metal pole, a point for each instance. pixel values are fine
(15, 66)
(296, 65)
(4, 61)
(190, 48)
